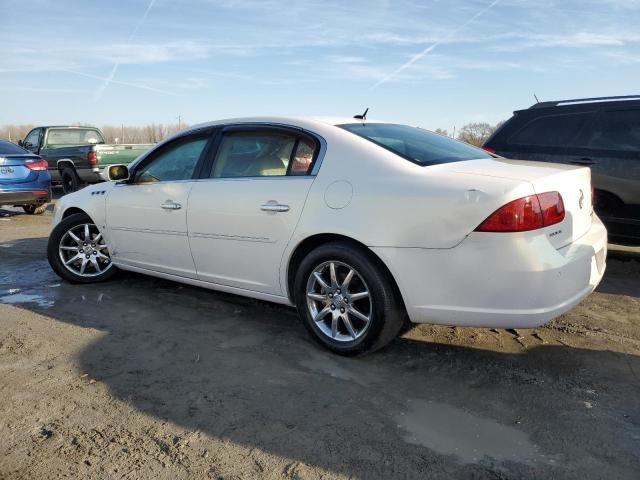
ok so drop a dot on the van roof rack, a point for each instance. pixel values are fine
(584, 100)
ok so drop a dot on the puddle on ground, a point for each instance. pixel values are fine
(17, 298)
(451, 431)
(340, 368)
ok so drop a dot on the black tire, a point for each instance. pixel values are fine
(53, 253)
(387, 317)
(69, 180)
(35, 209)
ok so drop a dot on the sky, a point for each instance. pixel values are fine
(436, 64)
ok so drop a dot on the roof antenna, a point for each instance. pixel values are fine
(363, 116)
(534, 96)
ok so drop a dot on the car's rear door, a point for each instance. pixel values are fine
(242, 217)
(147, 216)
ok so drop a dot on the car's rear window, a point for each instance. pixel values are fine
(415, 144)
(74, 136)
(8, 148)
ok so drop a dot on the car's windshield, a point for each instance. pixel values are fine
(415, 144)
(73, 136)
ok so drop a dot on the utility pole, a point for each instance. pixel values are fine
(179, 122)
(122, 132)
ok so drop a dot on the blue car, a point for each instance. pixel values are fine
(24, 179)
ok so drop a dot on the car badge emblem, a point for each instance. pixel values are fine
(581, 200)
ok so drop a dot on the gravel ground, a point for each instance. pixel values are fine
(144, 378)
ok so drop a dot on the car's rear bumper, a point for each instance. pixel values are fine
(498, 280)
(33, 196)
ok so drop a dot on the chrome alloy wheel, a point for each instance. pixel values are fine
(339, 301)
(83, 251)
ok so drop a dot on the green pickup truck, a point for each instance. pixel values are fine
(78, 155)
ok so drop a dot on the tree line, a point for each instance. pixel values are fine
(151, 133)
(474, 133)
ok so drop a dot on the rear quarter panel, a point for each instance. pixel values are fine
(371, 195)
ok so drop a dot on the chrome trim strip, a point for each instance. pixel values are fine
(150, 230)
(241, 238)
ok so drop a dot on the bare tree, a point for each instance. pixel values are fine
(476, 133)
(441, 131)
(152, 133)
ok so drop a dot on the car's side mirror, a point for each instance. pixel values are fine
(118, 173)
(20, 143)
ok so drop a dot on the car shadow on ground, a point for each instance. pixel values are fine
(246, 371)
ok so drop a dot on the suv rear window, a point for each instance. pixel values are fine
(551, 130)
(415, 144)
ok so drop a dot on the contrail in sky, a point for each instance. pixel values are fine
(128, 84)
(431, 47)
(109, 78)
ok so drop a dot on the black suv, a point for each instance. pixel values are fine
(602, 133)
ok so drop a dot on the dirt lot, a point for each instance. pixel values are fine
(144, 378)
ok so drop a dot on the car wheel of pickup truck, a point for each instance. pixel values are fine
(69, 179)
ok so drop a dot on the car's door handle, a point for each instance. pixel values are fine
(274, 207)
(171, 205)
(582, 161)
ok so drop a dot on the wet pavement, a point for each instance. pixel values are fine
(247, 394)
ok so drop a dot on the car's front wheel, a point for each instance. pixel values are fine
(78, 252)
(347, 300)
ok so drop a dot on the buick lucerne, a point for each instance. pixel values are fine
(363, 226)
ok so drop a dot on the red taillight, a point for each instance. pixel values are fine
(527, 213)
(93, 159)
(36, 164)
(490, 150)
(552, 208)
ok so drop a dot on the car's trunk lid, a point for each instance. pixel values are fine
(573, 183)
(12, 169)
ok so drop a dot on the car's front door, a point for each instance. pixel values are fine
(147, 216)
(242, 217)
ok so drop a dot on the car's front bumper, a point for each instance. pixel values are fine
(34, 196)
(498, 280)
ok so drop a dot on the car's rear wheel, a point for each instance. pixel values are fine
(78, 252)
(35, 209)
(347, 300)
(69, 180)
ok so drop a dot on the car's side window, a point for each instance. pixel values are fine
(551, 130)
(616, 130)
(176, 161)
(303, 157)
(263, 153)
(33, 139)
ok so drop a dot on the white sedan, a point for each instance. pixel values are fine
(363, 226)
